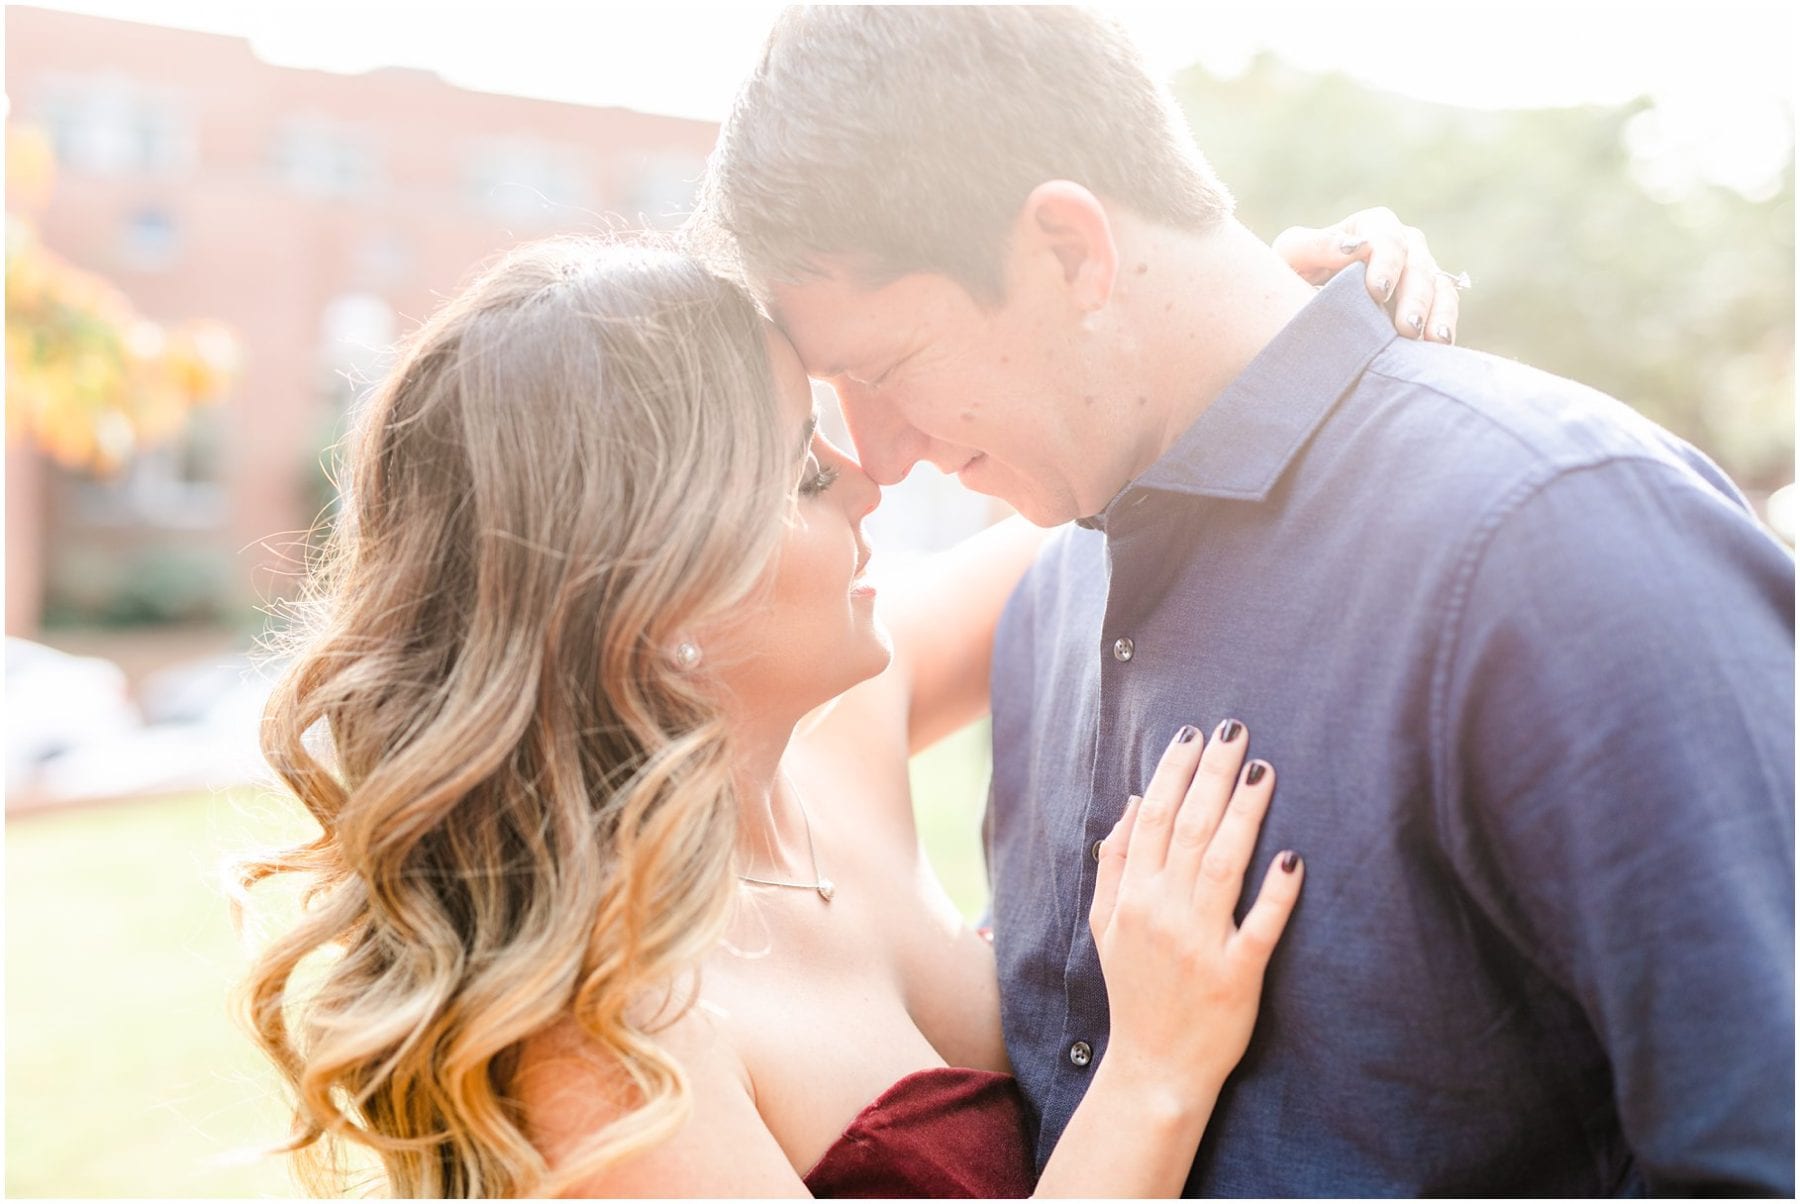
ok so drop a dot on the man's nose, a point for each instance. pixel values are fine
(886, 443)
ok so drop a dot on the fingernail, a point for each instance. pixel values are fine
(1229, 731)
(1188, 732)
(1416, 322)
(1255, 773)
(1290, 861)
(1444, 335)
(1133, 801)
(1386, 286)
(1352, 244)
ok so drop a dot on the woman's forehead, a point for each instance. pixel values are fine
(792, 388)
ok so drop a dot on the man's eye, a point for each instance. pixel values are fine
(883, 378)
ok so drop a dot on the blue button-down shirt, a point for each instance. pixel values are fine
(1524, 665)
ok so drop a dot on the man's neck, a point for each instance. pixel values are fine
(1199, 308)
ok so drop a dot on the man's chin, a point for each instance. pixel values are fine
(979, 476)
(1040, 513)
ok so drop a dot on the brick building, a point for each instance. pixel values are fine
(320, 215)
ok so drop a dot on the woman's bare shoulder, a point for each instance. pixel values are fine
(570, 1090)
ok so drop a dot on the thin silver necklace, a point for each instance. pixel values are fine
(821, 883)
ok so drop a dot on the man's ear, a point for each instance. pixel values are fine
(1066, 223)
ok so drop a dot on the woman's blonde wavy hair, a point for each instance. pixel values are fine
(526, 806)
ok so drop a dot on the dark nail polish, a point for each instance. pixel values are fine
(1187, 733)
(1255, 773)
(1230, 730)
(1290, 861)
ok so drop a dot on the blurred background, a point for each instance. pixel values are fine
(220, 216)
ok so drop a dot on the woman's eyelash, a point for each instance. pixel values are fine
(818, 482)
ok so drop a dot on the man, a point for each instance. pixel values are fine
(1523, 661)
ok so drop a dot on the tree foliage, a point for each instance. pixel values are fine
(89, 380)
(1680, 304)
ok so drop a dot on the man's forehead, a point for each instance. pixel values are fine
(821, 324)
(832, 324)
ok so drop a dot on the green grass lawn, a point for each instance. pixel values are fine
(124, 1074)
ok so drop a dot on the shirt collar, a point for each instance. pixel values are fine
(1242, 443)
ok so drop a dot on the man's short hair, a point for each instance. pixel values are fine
(905, 139)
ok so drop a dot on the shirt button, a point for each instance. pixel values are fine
(1096, 849)
(1081, 1053)
(1123, 648)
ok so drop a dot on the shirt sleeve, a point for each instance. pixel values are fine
(1613, 709)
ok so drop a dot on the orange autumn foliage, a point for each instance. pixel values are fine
(89, 380)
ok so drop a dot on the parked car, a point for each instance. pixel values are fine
(202, 718)
(56, 703)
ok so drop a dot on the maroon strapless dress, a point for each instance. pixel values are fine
(946, 1132)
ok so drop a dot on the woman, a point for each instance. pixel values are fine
(610, 900)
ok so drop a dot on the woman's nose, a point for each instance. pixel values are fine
(862, 494)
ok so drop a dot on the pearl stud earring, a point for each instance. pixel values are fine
(687, 656)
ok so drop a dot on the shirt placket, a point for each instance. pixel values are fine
(1086, 1018)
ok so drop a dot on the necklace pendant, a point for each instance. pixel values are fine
(826, 889)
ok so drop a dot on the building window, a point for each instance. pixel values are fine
(662, 187)
(523, 179)
(323, 157)
(177, 484)
(149, 241)
(110, 124)
(356, 344)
